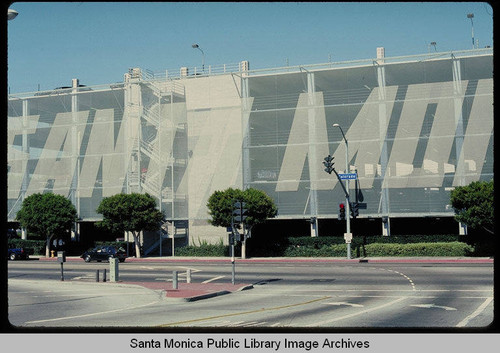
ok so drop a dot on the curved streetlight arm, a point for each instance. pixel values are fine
(342, 131)
(196, 46)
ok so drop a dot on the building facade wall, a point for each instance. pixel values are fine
(416, 129)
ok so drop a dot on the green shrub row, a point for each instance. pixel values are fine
(34, 247)
(363, 246)
(203, 250)
(400, 239)
(454, 249)
(335, 250)
(419, 249)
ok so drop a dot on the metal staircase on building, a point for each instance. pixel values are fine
(150, 165)
(167, 229)
(164, 235)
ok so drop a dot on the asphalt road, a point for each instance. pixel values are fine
(290, 294)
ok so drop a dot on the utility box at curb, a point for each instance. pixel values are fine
(113, 270)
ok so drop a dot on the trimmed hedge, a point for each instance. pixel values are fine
(335, 250)
(203, 250)
(419, 249)
(384, 249)
(400, 239)
(34, 247)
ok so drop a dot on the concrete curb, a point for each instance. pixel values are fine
(197, 297)
(205, 295)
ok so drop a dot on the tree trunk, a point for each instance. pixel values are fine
(137, 244)
(47, 245)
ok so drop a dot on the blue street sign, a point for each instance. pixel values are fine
(348, 176)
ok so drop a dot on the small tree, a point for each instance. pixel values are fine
(130, 213)
(258, 204)
(473, 205)
(47, 214)
(220, 206)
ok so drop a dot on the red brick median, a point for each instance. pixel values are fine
(192, 290)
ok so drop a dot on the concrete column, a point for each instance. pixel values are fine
(312, 155)
(245, 121)
(458, 96)
(75, 151)
(25, 181)
(462, 228)
(314, 226)
(384, 156)
(386, 227)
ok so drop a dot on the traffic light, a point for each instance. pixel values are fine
(239, 212)
(341, 211)
(355, 210)
(328, 163)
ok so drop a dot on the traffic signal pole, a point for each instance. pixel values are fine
(346, 190)
(348, 203)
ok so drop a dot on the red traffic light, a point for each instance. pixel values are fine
(342, 205)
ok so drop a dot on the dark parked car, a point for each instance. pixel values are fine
(104, 253)
(17, 253)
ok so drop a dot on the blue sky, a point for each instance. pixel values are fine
(97, 42)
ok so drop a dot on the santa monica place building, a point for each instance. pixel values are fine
(406, 129)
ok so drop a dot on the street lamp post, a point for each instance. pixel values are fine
(347, 205)
(471, 16)
(432, 44)
(11, 14)
(196, 46)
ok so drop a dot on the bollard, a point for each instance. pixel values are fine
(104, 276)
(188, 276)
(113, 270)
(174, 280)
(97, 276)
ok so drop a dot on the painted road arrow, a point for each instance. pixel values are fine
(428, 306)
(345, 303)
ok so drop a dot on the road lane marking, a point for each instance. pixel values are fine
(346, 304)
(430, 306)
(402, 274)
(148, 267)
(244, 312)
(478, 311)
(357, 313)
(92, 314)
(100, 294)
(213, 279)
(347, 295)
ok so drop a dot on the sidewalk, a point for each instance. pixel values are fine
(436, 260)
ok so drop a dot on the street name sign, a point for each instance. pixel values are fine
(348, 176)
